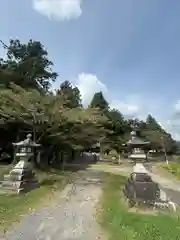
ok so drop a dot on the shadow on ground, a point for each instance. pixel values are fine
(82, 163)
(90, 177)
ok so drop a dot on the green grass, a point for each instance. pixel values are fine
(104, 167)
(121, 224)
(4, 169)
(13, 207)
(107, 168)
(110, 156)
(173, 168)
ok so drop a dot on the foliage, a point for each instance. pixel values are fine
(120, 128)
(71, 95)
(117, 128)
(27, 65)
(99, 101)
(45, 115)
(84, 128)
(177, 147)
(158, 137)
(115, 218)
(30, 108)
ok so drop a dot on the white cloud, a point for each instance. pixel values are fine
(172, 125)
(177, 106)
(89, 84)
(127, 108)
(59, 10)
(132, 106)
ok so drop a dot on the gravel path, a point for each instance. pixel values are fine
(169, 186)
(70, 216)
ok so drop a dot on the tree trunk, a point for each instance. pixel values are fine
(119, 159)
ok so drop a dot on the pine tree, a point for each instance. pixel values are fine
(99, 101)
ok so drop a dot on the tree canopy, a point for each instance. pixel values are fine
(71, 95)
(27, 65)
(99, 101)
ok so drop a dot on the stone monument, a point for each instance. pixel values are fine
(22, 178)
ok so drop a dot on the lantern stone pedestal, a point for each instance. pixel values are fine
(21, 178)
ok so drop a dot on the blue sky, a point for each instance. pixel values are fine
(129, 49)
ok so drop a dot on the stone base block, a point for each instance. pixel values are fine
(16, 177)
(18, 187)
(137, 156)
(20, 179)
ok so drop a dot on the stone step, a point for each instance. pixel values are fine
(17, 184)
(25, 172)
(11, 184)
(8, 191)
(9, 177)
(12, 177)
(14, 190)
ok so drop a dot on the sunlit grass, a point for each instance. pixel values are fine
(173, 168)
(109, 168)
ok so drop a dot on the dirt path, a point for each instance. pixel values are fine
(71, 215)
(168, 184)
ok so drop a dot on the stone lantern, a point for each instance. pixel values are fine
(22, 178)
(137, 146)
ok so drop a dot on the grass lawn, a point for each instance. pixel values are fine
(120, 224)
(173, 168)
(13, 207)
(110, 168)
(102, 167)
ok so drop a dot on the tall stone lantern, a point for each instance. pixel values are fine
(137, 146)
(22, 178)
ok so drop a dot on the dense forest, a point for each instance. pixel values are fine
(58, 119)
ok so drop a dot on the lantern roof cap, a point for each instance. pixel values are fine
(137, 141)
(27, 142)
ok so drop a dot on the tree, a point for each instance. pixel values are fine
(118, 128)
(86, 127)
(70, 94)
(157, 136)
(153, 124)
(27, 65)
(45, 116)
(40, 113)
(99, 101)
